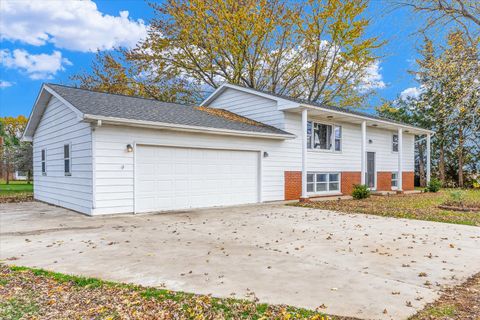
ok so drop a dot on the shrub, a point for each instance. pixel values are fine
(457, 196)
(360, 191)
(434, 185)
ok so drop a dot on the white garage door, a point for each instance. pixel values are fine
(171, 178)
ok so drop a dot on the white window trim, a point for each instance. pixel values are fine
(332, 137)
(391, 186)
(392, 143)
(69, 173)
(42, 161)
(328, 192)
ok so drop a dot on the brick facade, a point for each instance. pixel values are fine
(293, 185)
(349, 179)
(408, 180)
(384, 181)
(293, 182)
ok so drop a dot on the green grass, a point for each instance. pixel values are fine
(15, 309)
(415, 206)
(15, 189)
(229, 308)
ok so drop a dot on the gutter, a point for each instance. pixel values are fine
(184, 128)
(366, 118)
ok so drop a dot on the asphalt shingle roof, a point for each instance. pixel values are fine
(136, 108)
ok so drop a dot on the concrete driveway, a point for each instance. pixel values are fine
(355, 265)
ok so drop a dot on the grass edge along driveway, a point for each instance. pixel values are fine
(422, 206)
(29, 292)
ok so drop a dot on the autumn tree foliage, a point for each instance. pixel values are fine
(14, 154)
(449, 78)
(314, 50)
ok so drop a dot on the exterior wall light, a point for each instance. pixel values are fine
(370, 141)
(129, 148)
(265, 154)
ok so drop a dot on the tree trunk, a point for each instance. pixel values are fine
(441, 163)
(7, 169)
(421, 166)
(460, 157)
(29, 177)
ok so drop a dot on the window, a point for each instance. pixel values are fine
(318, 182)
(394, 179)
(44, 162)
(338, 138)
(395, 143)
(320, 136)
(67, 160)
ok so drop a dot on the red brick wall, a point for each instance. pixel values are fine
(293, 185)
(408, 180)
(384, 181)
(348, 180)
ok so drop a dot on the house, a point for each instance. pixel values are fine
(100, 153)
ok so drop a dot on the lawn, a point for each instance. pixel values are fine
(15, 191)
(35, 293)
(411, 206)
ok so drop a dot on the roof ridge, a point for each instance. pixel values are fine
(118, 94)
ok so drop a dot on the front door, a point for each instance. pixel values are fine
(370, 170)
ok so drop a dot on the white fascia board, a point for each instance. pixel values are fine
(184, 128)
(29, 123)
(356, 116)
(68, 104)
(35, 118)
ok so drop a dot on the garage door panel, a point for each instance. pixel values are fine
(170, 178)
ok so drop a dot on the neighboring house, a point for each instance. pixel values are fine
(101, 153)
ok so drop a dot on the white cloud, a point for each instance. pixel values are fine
(413, 93)
(5, 84)
(73, 25)
(37, 66)
(372, 78)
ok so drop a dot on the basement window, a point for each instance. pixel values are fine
(394, 179)
(323, 182)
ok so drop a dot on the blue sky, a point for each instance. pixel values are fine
(49, 42)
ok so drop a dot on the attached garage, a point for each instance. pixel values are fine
(100, 153)
(174, 178)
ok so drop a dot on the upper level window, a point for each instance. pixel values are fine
(320, 136)
(44, 162)
(395, 143)
(338, 138)
(67, 160)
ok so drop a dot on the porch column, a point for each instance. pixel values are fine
(304, 153)
(428, 158)
(400, 159)
(364, 152)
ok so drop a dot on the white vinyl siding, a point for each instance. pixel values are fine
(114, 174)
(58, 126)
(250, 106)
